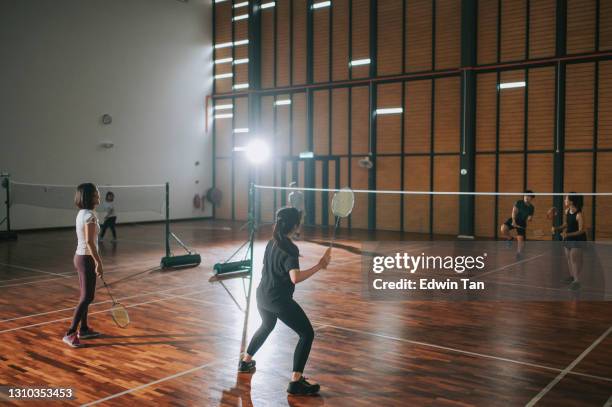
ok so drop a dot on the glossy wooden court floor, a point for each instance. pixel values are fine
(182, 346)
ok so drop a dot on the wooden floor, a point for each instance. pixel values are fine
(182, 346)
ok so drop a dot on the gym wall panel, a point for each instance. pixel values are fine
(418, 41)
(446, 207)
(283, 41)
(388, 127)
(282, 142)
(390, 18)
(360, 36)
(603, 221)
(359, 180)
(241, 120)
(331, 183)
(579, 105)
(540, 179)
(388, 206)
(581, 26)
(299, 42)
(416, 207)
(340, 136)
(541, 109)
(241, 73)
(484, 206)
(511, 113)
(605, 25)
(486, 107)
(513, 29)
(223, 181)
(447, 115)
(241, 189)
(417, 117)
(321, 44)
(267, 49)
(448, 34)
(360, 115)
(266, 200)
(604, 130)
(510, 180)
(223, 22)
(320, 123)
(578, 177)
(542, 28)
(223, 137)
(487, 31)
(298, 106)
(267, 120)
(340, 40)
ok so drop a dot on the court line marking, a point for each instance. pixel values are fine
(508, 265)
(29, 269)
(608, 403)
(101, 311)
(97, 303)
(568, 369)
(163, 379)
(145, 385)
(69, 274)
(469, 353)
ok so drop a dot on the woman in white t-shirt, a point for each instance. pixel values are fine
(86, 260)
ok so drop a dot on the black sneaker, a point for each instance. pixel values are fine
(246, 367)
(575, 285)
(518, 257)
(568, 280)
(88, 334)
(303, 388)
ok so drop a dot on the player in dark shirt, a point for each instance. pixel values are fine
(573, 233)
(281, 272)
(522, 212)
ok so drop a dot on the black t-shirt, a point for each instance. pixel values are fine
(524, 211)
(276, 284)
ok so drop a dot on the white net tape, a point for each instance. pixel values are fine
(128, 198)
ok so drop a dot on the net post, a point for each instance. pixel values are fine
(167, 219)
(251, 221)
(6, 183)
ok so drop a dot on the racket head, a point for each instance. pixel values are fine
(343, 202)
(120, 315)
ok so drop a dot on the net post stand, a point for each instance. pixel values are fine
(7, 234)
(252, 228)
(190, 259)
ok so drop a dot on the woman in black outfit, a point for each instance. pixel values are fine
(281, 271)
(573, 233)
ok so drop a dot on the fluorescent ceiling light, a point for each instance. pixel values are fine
(219, 1)
(241, 42)
(306, 154)
(224, 107)
(510, 85)
(241, 130)
(390, 110)
(321, 4)
(223, 60)
(243, 4)
(239, 148)
(358, 62)
(224, 116)
(241, 61)
(282, 102)
(241, 86)
(240, 17)
(224, 75)
(268, 5)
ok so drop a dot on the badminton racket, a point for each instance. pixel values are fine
(342, 206)
(117, 311)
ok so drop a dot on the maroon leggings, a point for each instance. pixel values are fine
(86, 268)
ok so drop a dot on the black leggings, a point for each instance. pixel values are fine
(109, 223)
(86, 268)
(294, 317)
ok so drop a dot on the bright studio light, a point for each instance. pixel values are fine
(257, 151)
